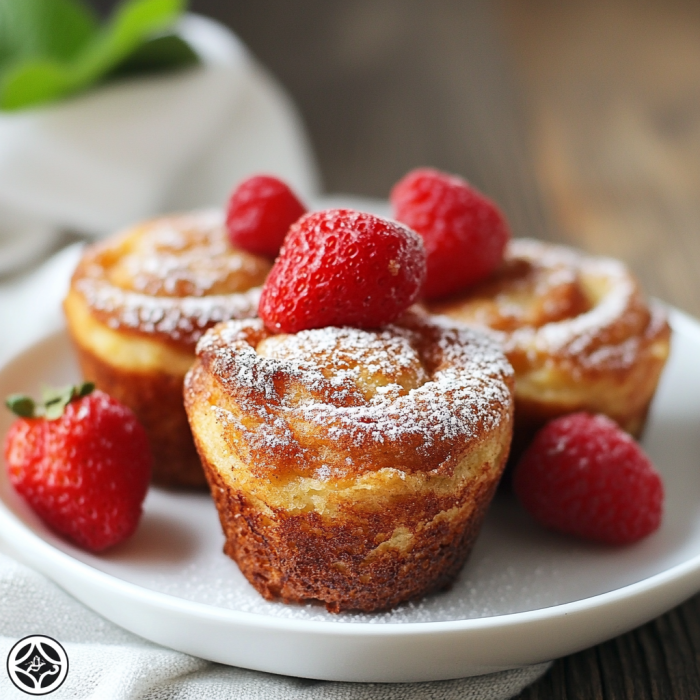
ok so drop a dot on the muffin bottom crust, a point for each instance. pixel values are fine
(305, 556)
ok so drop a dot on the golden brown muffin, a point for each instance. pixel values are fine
(577, 330)
(350, 467)
(139, 302)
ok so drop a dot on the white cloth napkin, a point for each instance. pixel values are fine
(142, 146)
(107, 662)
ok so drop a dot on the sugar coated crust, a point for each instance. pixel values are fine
(577, 330)
(137, 305)
(351, 467)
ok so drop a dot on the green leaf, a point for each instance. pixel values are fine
(56, 29)
(37, 80)
(50, 394)
(133, 22)
(84, 389)
(57, 395)
(53, 411)
(54, 401)
(21, 405)
(32, 84)
(165, 52)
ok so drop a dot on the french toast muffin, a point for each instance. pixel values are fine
(351, 467)
(577, 330)
(137, 305)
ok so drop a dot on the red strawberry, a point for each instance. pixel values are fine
(83, 466)
(464, 232)
(259, 214)
(584, 476)
(342, 268)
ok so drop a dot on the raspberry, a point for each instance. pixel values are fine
(259, 214)
(85, 472)
(464, 233)
(341, 267)
(584, 476)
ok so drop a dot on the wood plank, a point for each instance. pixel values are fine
(613, 100)
(389, 85)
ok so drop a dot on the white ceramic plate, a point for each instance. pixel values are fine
(525, 596)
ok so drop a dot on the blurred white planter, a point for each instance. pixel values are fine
(143, 146)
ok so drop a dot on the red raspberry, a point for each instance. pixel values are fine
(260, 212)
(584, 476)
(86, 472)
(341, 267)
(464, 232)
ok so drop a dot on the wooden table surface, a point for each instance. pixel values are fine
(582, 119)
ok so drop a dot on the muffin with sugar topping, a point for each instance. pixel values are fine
(577, 330)
(349, 465)
(137, 305)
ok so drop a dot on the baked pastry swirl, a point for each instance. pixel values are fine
(139, 302)
(351, 467)
(577, 330)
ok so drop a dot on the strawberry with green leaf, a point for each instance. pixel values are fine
(82, 462)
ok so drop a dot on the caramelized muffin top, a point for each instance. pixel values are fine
(416, 395)
(553, 304)
(170, 278)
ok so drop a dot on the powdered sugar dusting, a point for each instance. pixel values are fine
(417, 386)
(173, 277)
(184, 256)
(181, 320)
(609, 335)
(576, 333)
(382, 363)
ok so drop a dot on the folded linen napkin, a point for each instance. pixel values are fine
(146, 145)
